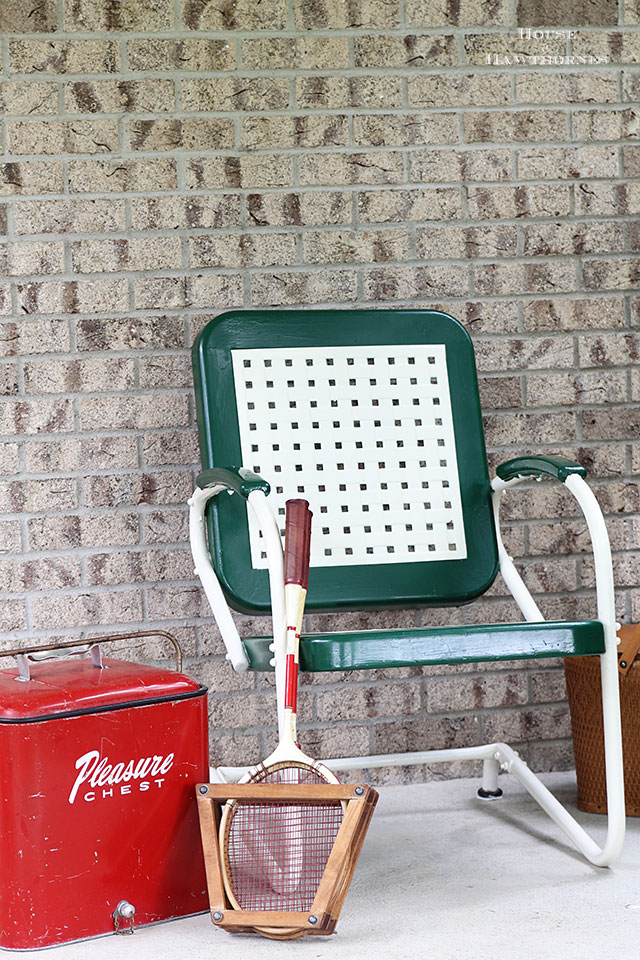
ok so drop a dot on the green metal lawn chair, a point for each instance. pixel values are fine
(373, 416)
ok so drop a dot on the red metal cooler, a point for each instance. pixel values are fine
(98, 816)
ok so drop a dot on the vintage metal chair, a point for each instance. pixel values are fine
(373, 416)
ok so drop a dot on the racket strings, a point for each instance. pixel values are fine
(277, 852)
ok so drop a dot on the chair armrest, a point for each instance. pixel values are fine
(239, 479)
(540, 466)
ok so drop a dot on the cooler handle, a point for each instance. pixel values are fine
(54, 651)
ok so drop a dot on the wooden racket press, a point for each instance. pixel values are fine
(358, 802)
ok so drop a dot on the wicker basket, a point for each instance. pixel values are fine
(585, 702)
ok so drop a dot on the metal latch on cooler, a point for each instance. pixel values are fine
(124, 911)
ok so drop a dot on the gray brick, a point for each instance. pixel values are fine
(443, 242)
(86, 608)
(616, 46)
(330, 169)
(142, 333)
(611, 274)
(318, 92)
(176, 212)
(160, 370)
(391, 129)
(17, 17)
(525, 354)
(133, 413)
(80, 453)
(192, 133)
(224, 290)
(605, 124)
(39, 415)
(412, 51)
(48, 495)
(445, 694)
(448, 165)
(137, 253)
(614, 424)
(31, 176)
(574, 314)
(486, 89)
(9, 463)
(76, 376)
(13, 615)
(311, 208)
(332, 14)
(521, 278)
(244, 15)
(578, 238)
(631, 12)
(355, 247)
(121, 176)
(551, 13)
(189, 53)
(131, 489)
(410, 283)
(355, 701)
(301, 287)
(8, 379)
(236, 93)
(270, 132)
(29, 336)
(66, 216)
(64, 56)
(427, 13)
(70, 532)
(394, 206)
(152, 95)
(608, 349)
(262, 171)
(479, 46)
(126, 15)
(59, 136)
(73, 296)
(563, 163)
(166, 526)
(516, 125)
(580, 88)
(569, 389)
(237, 250)
(170, 448)
(543, 200)
(303, 53)
(28, 97)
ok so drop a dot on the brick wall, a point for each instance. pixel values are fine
(166, 160)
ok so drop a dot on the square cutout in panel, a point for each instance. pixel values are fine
(366, 431)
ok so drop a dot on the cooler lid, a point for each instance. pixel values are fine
(68, 688)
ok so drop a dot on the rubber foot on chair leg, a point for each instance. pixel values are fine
(489, 794)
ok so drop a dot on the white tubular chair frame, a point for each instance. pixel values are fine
(213, 591)
(496, 757)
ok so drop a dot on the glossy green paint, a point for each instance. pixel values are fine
(375, 649)
(540, 466)
(239, 479)
(437, 583)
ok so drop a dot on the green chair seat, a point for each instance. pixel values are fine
(372, 649)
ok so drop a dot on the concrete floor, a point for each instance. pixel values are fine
(443, 875)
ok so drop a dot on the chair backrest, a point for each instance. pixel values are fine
(373, 416)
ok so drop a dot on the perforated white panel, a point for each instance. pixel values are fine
(365, 434)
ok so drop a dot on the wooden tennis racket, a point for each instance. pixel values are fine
(273, 854)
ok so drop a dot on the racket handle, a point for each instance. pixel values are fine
(297, 543)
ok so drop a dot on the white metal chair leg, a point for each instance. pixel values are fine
(495, 757)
